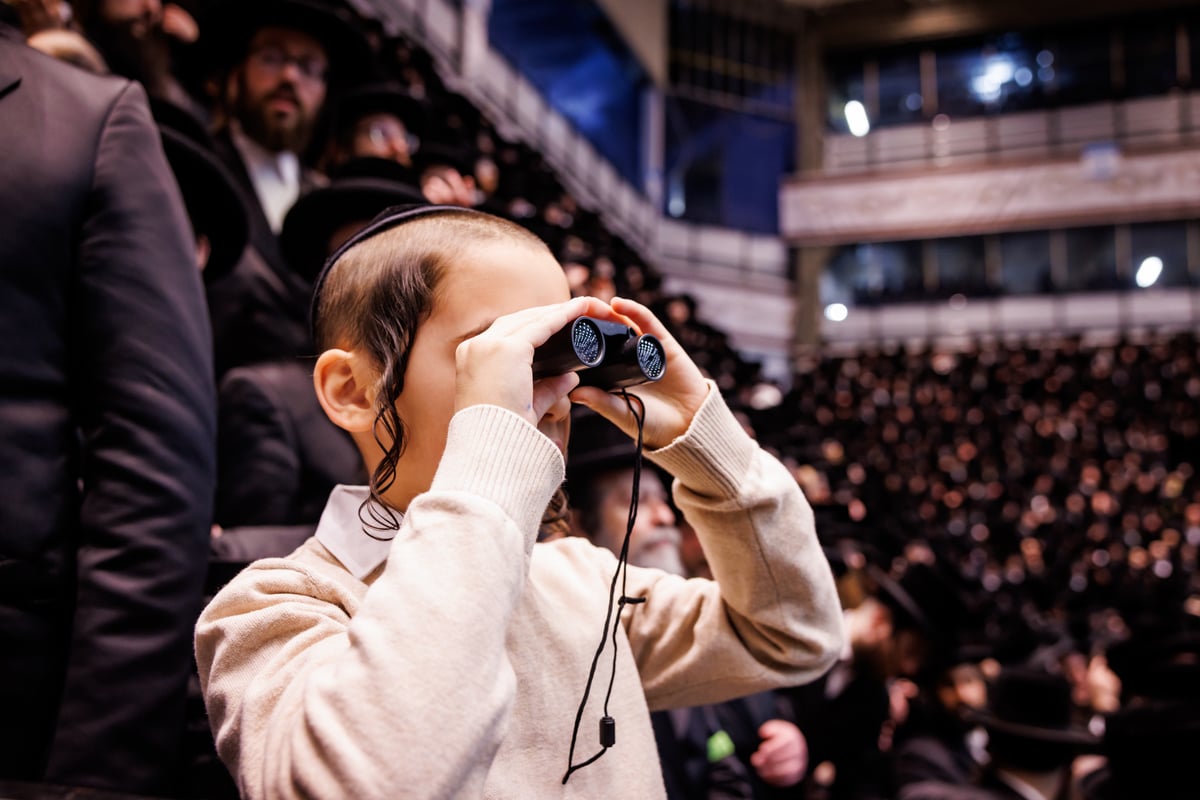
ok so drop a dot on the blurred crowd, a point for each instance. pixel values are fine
(1039, 502)
(1019, 518)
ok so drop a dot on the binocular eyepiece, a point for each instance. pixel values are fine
(608, 355)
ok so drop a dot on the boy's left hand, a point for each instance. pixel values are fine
(671, 403)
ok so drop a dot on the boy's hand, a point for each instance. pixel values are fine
(671, 403)
(495, 367)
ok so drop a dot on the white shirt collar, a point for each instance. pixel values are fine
(1031, 787)
(276, 176)
(341, 532)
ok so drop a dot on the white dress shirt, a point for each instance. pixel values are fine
(276, 176)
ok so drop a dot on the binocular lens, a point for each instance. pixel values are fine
(606, 354)
(651, 357)
(586, 341)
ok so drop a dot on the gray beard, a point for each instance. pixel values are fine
(665, 558)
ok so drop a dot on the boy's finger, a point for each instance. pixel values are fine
(548, 391)
(644, 318)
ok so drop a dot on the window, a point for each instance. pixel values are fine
(1025, 263)
(1076, 65)
(1091, 259)
(1001, 74)
(1193, 31)
(956, 69)
(1150, 66)
(960, 266)
(869, 273)
(722, 167)
(900, 99)
(574, 57)
(845, 83)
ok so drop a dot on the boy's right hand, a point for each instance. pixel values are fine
(495, 367)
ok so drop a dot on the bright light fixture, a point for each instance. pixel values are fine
(990, 84)
(1149, 272)
(836, 312)
(856, 118)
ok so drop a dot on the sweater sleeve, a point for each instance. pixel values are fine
(771, 617)
(315, 692)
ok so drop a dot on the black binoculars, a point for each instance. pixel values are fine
(608, 355)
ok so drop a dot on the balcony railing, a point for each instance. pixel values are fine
(1147, 123)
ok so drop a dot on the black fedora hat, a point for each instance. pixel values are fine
(1032, 705)
(1158, 668)
(596, 445)
(1150, 752)
(372, 167)
(444, 155)
(357, 193)
(215, 205)
(383, 97)
(923, 598)
(179, 119)
(228, 26)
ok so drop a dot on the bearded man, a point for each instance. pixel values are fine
(274, 63)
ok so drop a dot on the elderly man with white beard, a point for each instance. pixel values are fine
(741, 748)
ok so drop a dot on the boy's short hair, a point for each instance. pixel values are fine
(399, 257)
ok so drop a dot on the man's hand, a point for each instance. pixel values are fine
(782, 757)
(38, 15)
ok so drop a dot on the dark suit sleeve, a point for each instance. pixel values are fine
(143, 387)
(243, 545)
(259, 467)
(925, 759)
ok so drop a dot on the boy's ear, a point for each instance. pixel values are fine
(344, 389)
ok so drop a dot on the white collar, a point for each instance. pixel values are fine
(1032, 786)
(276, 176)
(341, 532)
(285, 164)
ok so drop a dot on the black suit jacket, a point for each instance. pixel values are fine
(844, 730)
(687, 773)
(107, 429)
(259, 310)
(279, 455)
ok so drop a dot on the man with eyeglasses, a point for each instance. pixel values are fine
(377, 120)
(277, 61)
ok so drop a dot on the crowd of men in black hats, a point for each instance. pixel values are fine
(1014, 517)
(1023, 514)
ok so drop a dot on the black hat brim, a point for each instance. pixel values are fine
(1065, 736)
(216, 207)
(896, 596)
(311, 223)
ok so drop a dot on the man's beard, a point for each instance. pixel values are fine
(662, 556)
(260, 123)
(143, 57)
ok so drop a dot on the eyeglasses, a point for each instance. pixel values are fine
(383, 132)
(274, 59)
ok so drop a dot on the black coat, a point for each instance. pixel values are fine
(107, 431)
(687, 772)
(279, 455)
(259, 310)
(844, 729)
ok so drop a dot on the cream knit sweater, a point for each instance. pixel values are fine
(450, 662)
